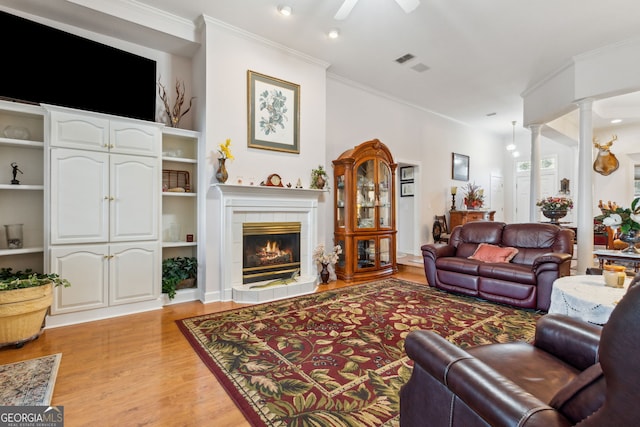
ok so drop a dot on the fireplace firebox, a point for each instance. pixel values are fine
(271, 250)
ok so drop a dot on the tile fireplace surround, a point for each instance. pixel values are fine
(244, 203)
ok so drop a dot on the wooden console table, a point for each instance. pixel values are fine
(462, 217)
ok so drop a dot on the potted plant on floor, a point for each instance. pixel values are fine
(25, 298)
(178, 273)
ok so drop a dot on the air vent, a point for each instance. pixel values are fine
(420, 67)
(491, 114)
(405, 58)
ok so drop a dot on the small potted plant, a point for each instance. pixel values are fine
(319, 178)
(25, 298)
(178, 273)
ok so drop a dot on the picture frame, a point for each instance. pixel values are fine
(406, 173)
(406, 189)
(459, 167)
(273, 113)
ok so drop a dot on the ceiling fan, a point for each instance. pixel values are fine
(407, 5)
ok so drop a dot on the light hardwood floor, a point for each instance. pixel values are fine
(139, 370)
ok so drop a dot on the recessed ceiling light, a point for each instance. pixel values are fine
(334, 33)
(284, 10)
(516, 154)
(615, 121)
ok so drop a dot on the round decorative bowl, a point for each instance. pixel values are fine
(630, 238)
(554, 216)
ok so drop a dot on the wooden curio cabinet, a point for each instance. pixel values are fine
(364, 216)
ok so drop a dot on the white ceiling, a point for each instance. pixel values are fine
(481, 54)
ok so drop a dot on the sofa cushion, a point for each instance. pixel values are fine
(516, 273)
(492, 253)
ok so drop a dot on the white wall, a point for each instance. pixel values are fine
(229, 55)
(356, 115)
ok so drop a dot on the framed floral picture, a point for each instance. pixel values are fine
(273, 113)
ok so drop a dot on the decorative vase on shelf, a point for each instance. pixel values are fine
(324, 273)
(554, 216)
(631, 238)
(221, 174)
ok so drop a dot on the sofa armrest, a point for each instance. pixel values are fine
(494, 398)
(550, 260)
(435, 251)
(569, 339)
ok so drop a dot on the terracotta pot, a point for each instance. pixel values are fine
(22, 314)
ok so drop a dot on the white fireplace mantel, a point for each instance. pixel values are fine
(238, 204)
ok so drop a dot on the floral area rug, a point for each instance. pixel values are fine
(30, 382)
(336, 358)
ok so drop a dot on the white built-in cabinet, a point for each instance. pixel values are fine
(104, 209)
(22, 142)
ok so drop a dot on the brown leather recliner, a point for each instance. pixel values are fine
(575, 373)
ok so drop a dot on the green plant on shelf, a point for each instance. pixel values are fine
(175, 270)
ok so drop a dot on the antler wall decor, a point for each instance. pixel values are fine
(174, 114)
(606, 162)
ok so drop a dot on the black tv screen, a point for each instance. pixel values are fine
(45, 65)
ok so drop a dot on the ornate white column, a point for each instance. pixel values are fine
(584, 205)
(534, 180)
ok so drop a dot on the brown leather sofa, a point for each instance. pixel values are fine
(544, 254)
(574, 373)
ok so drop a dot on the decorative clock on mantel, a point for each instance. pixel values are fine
(273, 180)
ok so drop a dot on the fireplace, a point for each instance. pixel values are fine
(237, 205)
(271, 250)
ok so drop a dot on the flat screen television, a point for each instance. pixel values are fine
(41, 64)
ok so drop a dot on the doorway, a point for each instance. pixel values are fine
(408, 238)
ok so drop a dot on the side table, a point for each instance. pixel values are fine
(614, 256)
(585, 297)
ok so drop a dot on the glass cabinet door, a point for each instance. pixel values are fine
(366, 195)
(384, 198)
(385, 251)
(366, 253)
(340, 201)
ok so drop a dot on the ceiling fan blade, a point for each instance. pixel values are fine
(345, 9)
(408, 5)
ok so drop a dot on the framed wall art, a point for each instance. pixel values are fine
(406, 189)
(273, 113)
(459, 167)
(406, 173)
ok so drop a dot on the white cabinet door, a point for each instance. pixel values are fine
(86, 268)
(80, 131)
(79, 196)
(134, 272)
(135, 188)
(134, 138)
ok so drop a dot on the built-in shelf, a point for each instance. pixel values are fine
(10, 142)
(174, 194)
(21, 187)
(22, 251)
(178, 244)
(179, 160)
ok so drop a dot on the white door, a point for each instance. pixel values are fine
(135, 189)
(85, 267)
(496, 195)
(548, 187)
(134, 272)
(79, 196)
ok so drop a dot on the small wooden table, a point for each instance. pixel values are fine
(462, 217)
(613, 256)
(585, 297)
